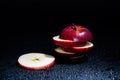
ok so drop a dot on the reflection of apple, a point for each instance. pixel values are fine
(80, 49)
(76, 33)
(36, 61)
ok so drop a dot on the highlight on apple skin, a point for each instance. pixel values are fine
(36, 61)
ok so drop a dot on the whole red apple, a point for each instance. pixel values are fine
(76, 33)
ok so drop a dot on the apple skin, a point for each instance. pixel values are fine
(76, 33)
(38, 68)
(79, 49)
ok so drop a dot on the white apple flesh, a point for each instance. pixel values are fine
(36, 61)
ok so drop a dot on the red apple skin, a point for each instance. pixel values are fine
(76, 33)
(38, 68)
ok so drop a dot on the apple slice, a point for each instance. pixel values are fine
(66, 54)
(80, 49)
(62, 42)
(36, 61)
(74, 51)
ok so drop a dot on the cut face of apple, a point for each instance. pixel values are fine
(36, 61)
(62, 42)
(80, 49)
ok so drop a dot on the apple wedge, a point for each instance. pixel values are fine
(36, 61)
(80, 49)
(62, 42)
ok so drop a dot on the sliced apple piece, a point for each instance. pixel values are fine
(74, 51)
(36, 61)
(80, 49)
(66, 54)
(62, 42)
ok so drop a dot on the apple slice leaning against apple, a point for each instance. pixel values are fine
(80, 49)
(36, 61)
(62, 42)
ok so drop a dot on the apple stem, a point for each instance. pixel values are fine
(73, 23)
(73, 26)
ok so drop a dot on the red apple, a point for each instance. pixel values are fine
(74, 41)
(76, 33)
(36, 61)
(80, 49)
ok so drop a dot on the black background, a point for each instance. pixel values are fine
(28, 26)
